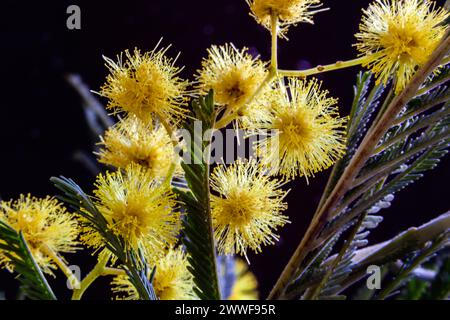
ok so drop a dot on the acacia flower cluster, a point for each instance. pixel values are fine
(247, 199)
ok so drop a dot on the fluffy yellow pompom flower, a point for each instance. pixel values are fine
(172, 280)
(307, 134)
(133, 141)
(288, 12)
(137, 208)
(234, 75)
(248, 208)
(46, 226)
(245, 285)
(399, 36)
(145, 85)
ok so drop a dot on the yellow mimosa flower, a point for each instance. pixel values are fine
(235, 76)
(246, 285)
(45, 224)
(133, 141)
(146, 85)
(137, 208)
(398, 36)
(247, 210)
(307, 134)
(172, 280)
(288, 12)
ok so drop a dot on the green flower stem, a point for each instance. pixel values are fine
(170, 132)
(62, 266)
(228, 117)
(113, 272)
(274, 51)
(92, 276)
(320, 69)
(169, 175)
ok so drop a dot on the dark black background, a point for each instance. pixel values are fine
(42, 123)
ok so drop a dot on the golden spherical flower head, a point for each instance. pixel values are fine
(137, 208)
(288, 12)
(306, 134)
(399, 36)
(134, 141)
(245, 286)
(248, 208)
(146, 85)
(172, 280)
(45, 225)
(233, 74)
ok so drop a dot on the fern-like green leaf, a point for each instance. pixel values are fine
(198, 235)
(369, 220)
(33, 282)
(313, 269)
(435, 81)
(414, 171)
(404, 246)
(410, 263)
(363, 106)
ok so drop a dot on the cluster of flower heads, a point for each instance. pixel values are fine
(395, 38)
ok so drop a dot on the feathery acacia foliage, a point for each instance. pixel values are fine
(33, 282)
(198, 232)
